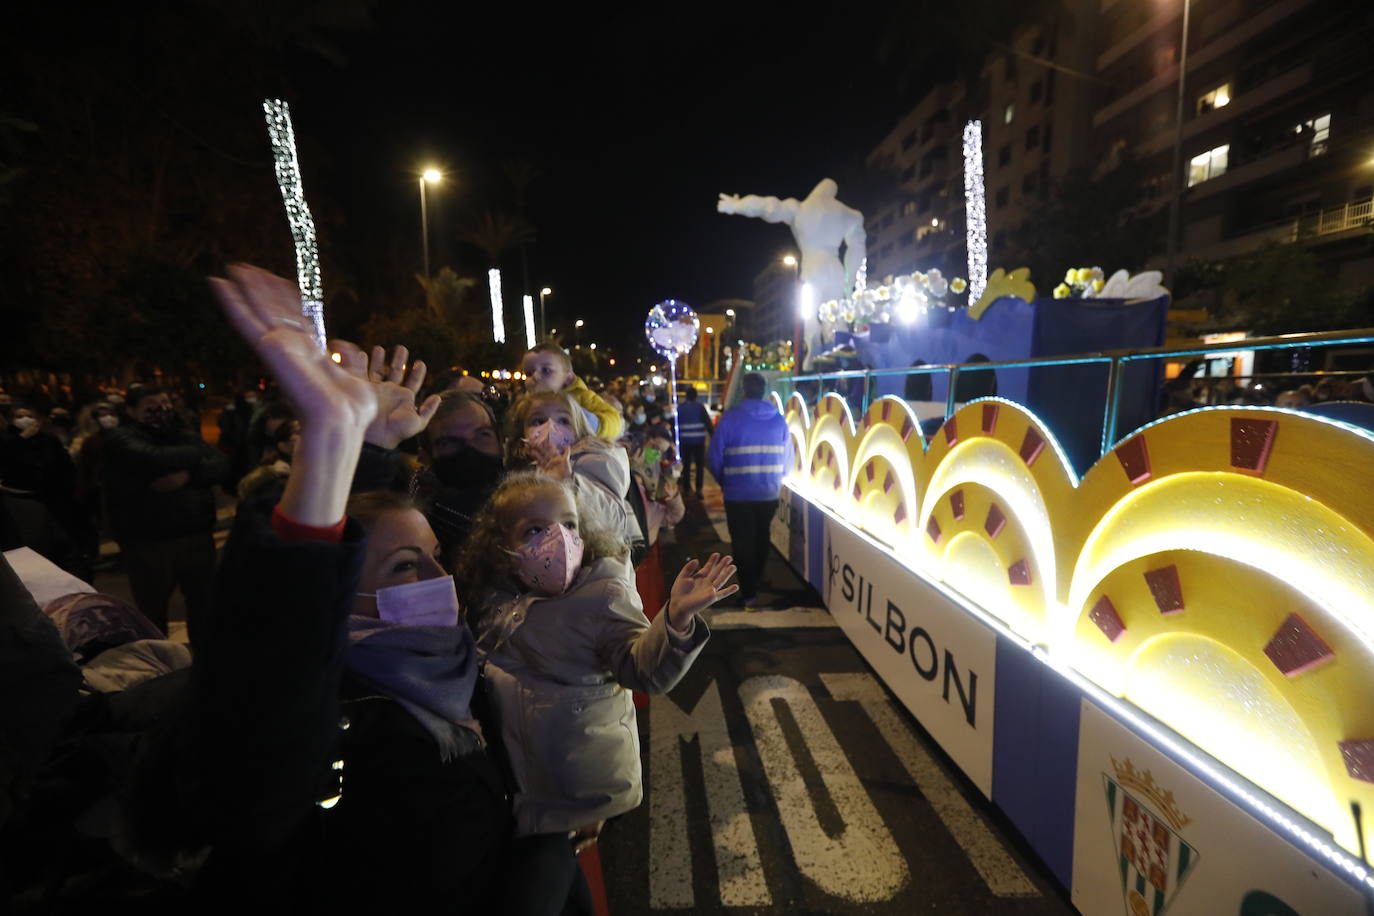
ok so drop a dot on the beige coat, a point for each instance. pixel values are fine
(557, 671)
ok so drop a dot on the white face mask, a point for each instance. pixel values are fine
(426, 603)
(108, 421)
(23, 424)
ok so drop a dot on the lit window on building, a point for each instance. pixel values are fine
(1208, 165)
(1319, 131)
(1009, 113)
(1219, 97)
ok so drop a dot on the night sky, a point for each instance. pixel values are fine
(637, 121)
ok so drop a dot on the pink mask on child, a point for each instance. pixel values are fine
(549, 563)
(556, 435)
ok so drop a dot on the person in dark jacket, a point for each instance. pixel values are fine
(693, 427)
(751, 452)
(159, 480)
(335, 650)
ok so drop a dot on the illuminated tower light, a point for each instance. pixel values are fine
(498, 320)
(288, 171)
(529, 323)
(975, 207)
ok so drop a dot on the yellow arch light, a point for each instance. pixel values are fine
(1248, 520)
(1175, 676)
(994, 465)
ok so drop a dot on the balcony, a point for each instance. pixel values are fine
(1312, 228)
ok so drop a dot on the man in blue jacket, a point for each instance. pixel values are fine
(693, 423)
(750, 453)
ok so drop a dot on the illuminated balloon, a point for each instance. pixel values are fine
(672, 328)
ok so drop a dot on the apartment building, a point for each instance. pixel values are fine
(1034, 98)
(1278, 121)
(775, 305)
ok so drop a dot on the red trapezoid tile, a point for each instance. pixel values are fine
(951, 431)
(990, 412)
(1019, 573)
(1295, 647)
(1032, 445)
(1359, 758)
(956, 503)
(1107, 619)
(1167, 590)
(996, 521)
(1251, 443)
(933, 529)
(1135, 459)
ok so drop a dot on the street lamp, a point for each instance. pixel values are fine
(577, 333)
(1176, 186)
(429, 176)
(543, 325)
(791, 261)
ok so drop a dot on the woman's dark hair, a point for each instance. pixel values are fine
(367, 507)
(918, 385)
(975, 383)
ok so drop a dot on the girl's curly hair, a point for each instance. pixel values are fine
(484, 561)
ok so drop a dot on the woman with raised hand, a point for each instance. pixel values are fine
(335, 757)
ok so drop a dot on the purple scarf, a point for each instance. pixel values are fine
(431, 671)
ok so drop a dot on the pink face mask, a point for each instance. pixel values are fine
(549, 563)
(557, 435)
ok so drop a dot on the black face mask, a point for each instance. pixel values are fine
(159, 418)
(468, 469)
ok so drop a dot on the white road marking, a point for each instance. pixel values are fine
(738, 863)
(996, 866)
(862, 864)
(793, 617)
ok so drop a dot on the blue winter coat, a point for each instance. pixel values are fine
(750, 451)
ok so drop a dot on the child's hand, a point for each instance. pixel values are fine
(558, 465)
(698, 587)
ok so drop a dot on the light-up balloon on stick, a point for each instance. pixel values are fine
(672, 328)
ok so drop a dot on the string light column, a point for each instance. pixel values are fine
(975, 208)
(288, 170)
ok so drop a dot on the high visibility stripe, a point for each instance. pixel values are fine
(755, 450)
(755, 469)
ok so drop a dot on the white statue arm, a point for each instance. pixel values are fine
(769, 209)
(855, 242)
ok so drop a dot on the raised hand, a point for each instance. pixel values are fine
(698, 587)
(266, 311)
(728, 203)
(395, 389)
(333, 404)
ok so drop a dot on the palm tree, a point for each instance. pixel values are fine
(496, 231)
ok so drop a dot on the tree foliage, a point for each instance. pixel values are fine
(1089, 220)
(1278, 289)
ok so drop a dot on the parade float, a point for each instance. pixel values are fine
(1154, 652)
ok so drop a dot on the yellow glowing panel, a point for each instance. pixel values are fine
(1223, 704)
(994, 465)
(972, 567)
(1249, 520)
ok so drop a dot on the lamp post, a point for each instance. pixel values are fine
(792, 262)
(577, 333)
(1176, 199)
(543, 325)
(429, 176)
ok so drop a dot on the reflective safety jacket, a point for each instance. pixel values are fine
(692, 422)
(750, 451)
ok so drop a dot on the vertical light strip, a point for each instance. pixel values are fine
(529, 322)
(975, 208)
(498, 320)
(288, 170)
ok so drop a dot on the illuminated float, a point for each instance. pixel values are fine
(1162, 672)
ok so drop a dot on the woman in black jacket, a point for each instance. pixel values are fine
(333, 757)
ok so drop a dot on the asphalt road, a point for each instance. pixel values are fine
(781, 778)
